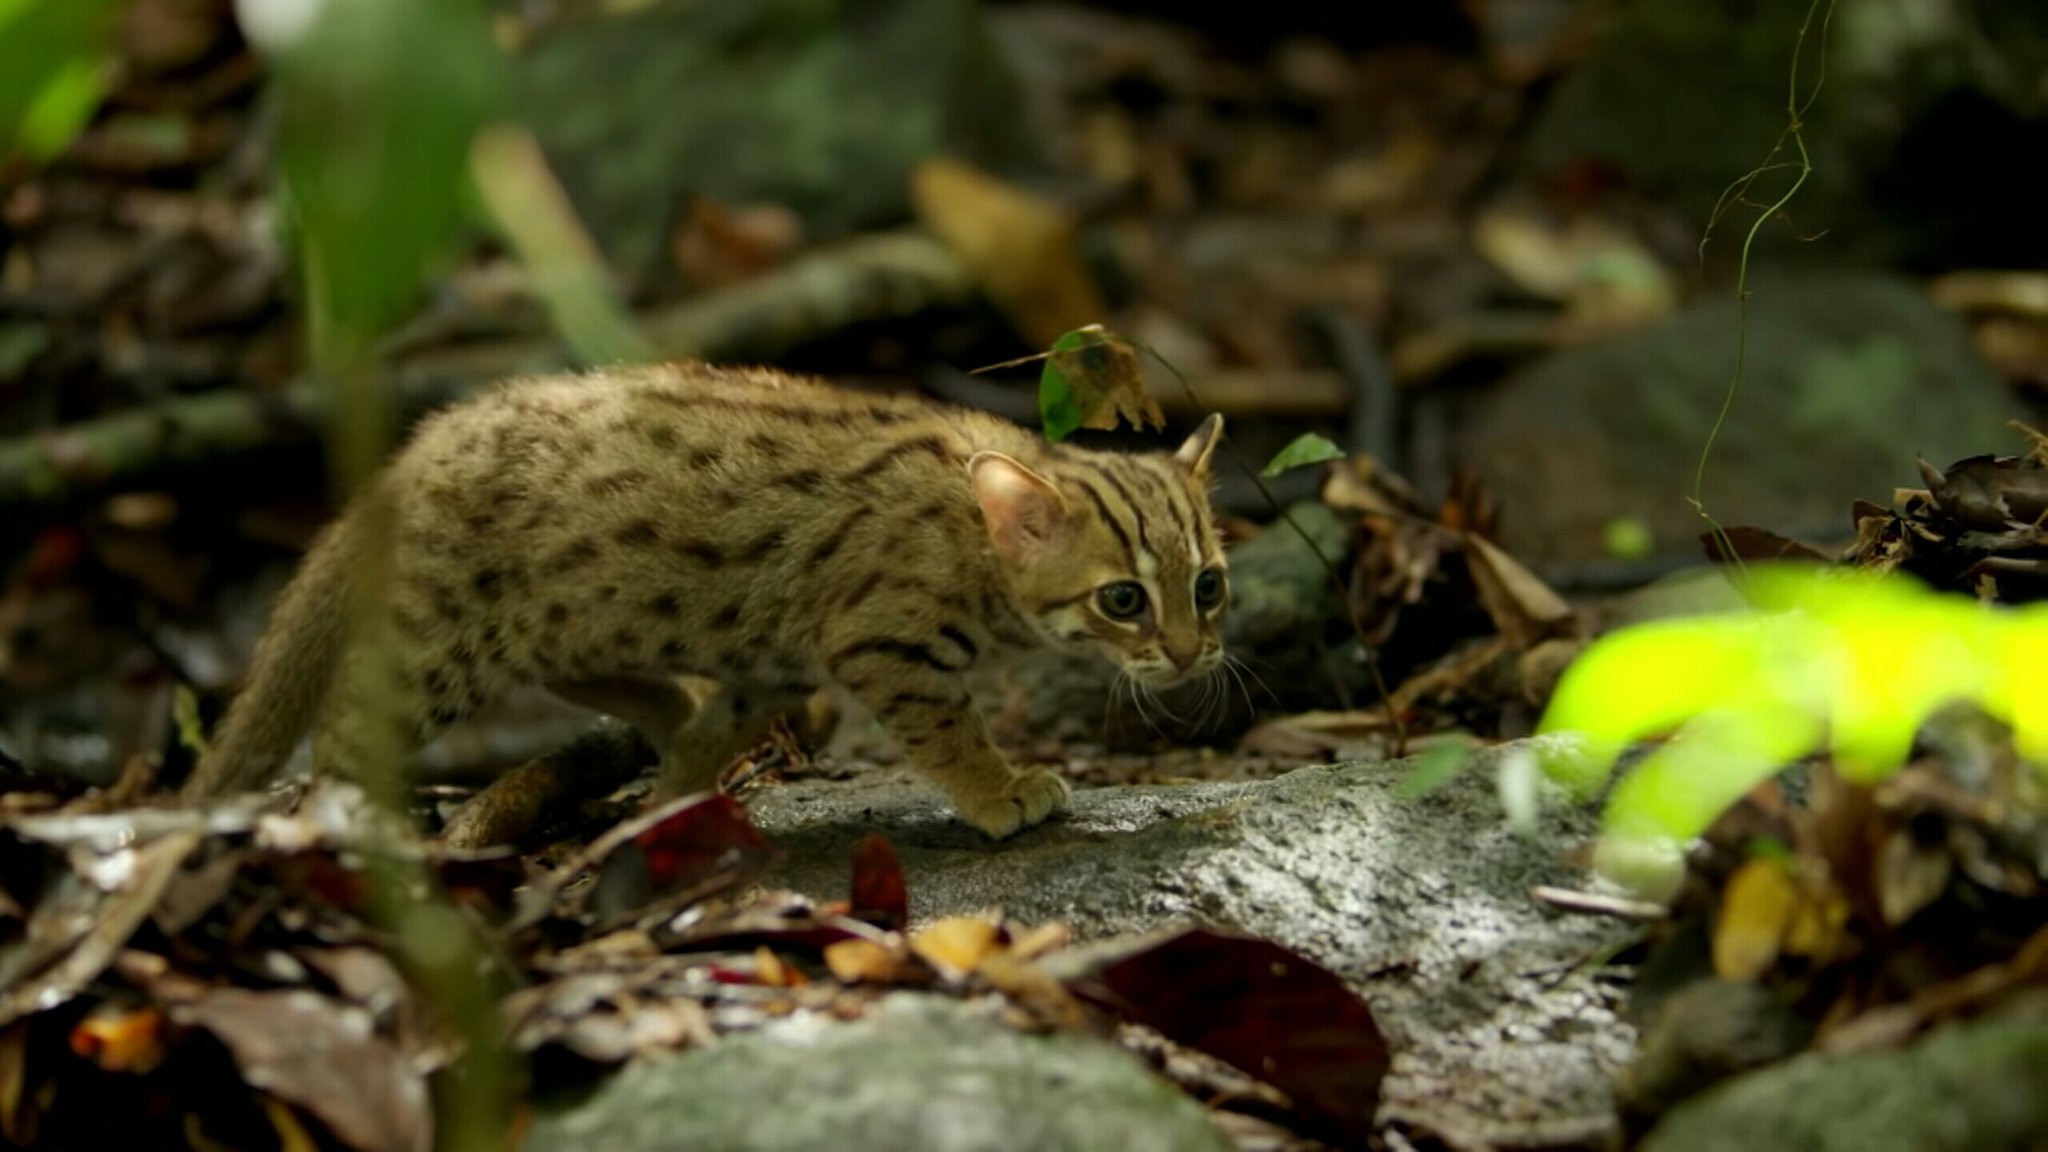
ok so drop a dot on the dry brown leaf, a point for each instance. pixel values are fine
(323, 1056)
(956, 945)
(1909, 876)
(1104, 380)
(1019, 247)
(1522, 606)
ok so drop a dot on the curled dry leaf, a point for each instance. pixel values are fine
(1521, 606)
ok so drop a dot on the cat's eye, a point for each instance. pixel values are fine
(1208, 589)
(1122, 600)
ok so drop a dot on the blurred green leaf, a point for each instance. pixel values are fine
(379, 100)
(52, 72)
(1308, 448)
(535, 216)
(1835, 660)
(1435, 768)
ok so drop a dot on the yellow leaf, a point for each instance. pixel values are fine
(1019, 247)
(955, 946)
(860, 961)
(770, 969)
(1756, 908)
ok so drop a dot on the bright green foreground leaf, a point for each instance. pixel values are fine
(1307, 448)
(52, 72)
(1836, 660)
(379, 100)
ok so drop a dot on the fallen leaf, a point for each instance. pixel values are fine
(690, 846)
(324, 1057)
(1092, 379)
(121, 1039)
(1020, 248)
(1521, 606)
(1757, 907)
(865, 962)
(78, 929)
(956, 945)
(1756, 546)
(1909, 876)
(769, 969)
(1271, 1013)
(880, 896)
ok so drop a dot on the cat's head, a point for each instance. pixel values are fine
(1114, 554)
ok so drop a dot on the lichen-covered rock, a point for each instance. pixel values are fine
(1972, 1088)
(821, 106)
(1849, 377)
(923, 1075)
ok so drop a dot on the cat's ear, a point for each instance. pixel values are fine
(1022, 509)
(1194, 452)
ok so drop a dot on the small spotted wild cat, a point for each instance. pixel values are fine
(601, 534)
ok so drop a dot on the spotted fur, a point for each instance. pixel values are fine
(605, 534)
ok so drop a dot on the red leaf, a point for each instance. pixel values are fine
(879, 894)
(1264, 1009)
(697, 842)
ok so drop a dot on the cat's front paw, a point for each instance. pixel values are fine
(1027, 799)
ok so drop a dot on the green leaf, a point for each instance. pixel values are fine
(1059, 413)
(1435, 768)
(1308, 448)
(52, 72)
(378, 102)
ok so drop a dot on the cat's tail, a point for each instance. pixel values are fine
(290, 673)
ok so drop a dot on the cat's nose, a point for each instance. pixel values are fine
(1183, 658)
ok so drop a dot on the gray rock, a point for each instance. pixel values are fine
(819, 105)
(1490, 1003)
(1849, 376)
(923, 1075)
(1683, 97)
(1974, 1088)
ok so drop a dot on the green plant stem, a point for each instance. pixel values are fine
(1795, 111)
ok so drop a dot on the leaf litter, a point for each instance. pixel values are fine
(167, 973)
